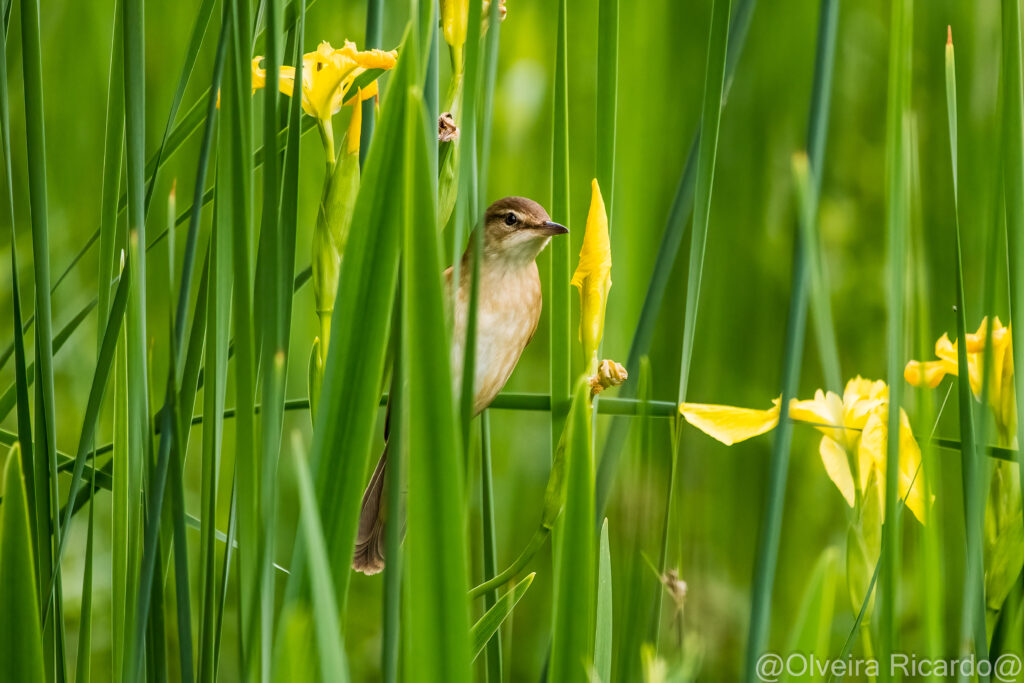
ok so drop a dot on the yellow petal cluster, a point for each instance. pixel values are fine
(854, 431)
(328, 75)
(593, 276)
(1001, 394)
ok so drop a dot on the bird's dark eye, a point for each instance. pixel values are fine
(511, 219)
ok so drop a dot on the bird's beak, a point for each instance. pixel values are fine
(551, 228)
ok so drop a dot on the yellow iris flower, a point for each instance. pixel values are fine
(1004, 556)
(593, 277)
(854, 429)
(327, 76)
(1001, 394)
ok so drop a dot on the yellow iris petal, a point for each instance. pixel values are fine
(871, 449)
(823, 410)
(729, 424)
(872, 456)
(929, 373)
(328, 75)
(837, 466)
(816, 411)
(593, 275)
(862, 389)
(911, 482)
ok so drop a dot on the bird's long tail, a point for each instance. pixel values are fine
(369, 554)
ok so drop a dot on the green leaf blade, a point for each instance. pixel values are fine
(21, 639)
(572, 645)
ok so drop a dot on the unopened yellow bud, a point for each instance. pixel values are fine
(593, 277)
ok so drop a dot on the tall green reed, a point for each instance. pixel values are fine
(807, 280)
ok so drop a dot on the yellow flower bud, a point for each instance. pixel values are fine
(454, 18)
(593, 277)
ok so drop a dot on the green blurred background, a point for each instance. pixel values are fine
(745, 290)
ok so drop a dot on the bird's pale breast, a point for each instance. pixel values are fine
(507, 316)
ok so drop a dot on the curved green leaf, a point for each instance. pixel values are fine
(485, 628)
(21, 638)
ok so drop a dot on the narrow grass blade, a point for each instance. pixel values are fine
(83, 664)
(466, 199)
(437, 567)
(124, 548)
(44, 453)
(113, 153)
(490, 543)
(572, 647)
(607, 100)
(475, 157)
(490, 70)
(21, 639)
(486, 628)
(897, 225)
(1013, 177)
(235, 220)
(333, 666)
(973, 600)
(374, 27)
(139, 445)
(24, 418)
(397, 480)
(266, 257)
(558, 300)
(707, 151)
(280, 232)
(467, 208)
(771, 526)
(667, 253)
(603, 636)
(225, 576)
(817, 132)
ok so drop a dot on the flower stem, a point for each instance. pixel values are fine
(327, 137)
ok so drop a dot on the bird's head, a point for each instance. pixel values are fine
(516, 229)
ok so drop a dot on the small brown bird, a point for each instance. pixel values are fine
(515, 231)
